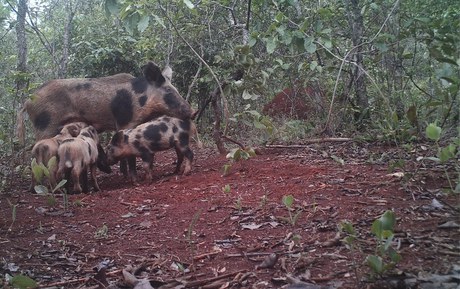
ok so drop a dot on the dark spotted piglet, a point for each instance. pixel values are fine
(157, 135)
(45, 149)
(77, 155)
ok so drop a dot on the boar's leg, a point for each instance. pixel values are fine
(76, 172)
(132, 168)
(84, 181)
(188, 161)
(93, 176)
(180, 159)
(147, 159)
(128, 167)
(124, 167)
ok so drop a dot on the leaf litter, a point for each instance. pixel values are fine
(146, 235)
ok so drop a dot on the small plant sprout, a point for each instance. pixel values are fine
(263, 201)
(191, 227)
(39, 171)
(444, 154)
(236, 155)
(102, 232)
(288, 201)
(13, 214)
(226, 189)
(386, 257)
(239, 203)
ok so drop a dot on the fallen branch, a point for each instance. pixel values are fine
(199, 283)
(205, 255)
(79, 280)
(310, 141)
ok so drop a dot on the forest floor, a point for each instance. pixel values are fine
(207, 230)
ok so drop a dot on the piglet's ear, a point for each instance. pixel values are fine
(117, 138)
(152, 74)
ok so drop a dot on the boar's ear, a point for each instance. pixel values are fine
(167, 72)
(153, 74)
(117, 138)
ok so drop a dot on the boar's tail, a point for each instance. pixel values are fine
(68, 159)
(20, 128)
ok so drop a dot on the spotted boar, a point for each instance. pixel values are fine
(157, 135)
(77, 155)
(107, 103)
(45, 149)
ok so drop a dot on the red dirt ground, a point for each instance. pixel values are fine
(189, 228)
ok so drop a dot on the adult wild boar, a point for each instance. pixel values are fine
(107, 103)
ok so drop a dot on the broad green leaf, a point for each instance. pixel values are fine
(394, 256)
(288, 200)
(383, 226)
(143, 23)
(271, 45)
(112, 7)
(381, 46)
(41, 189)
(348, 227)
(52, 163)
(246, 95)
(447, 153)
(60, 185)
(23, 282)
(159, 21)
(376, 263)
(189, 4)
(433, 132)
(313, 65)
(38, 173)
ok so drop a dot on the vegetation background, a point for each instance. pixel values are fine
(378, 70)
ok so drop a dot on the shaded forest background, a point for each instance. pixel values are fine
(374, 70)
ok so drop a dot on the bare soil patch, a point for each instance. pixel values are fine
(191, 228)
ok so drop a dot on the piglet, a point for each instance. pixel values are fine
(77, 155)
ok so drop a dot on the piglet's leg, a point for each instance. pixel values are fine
(93, 176)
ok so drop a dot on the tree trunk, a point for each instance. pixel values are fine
(62, 72)
(21, 44)
(355, 20)
(22, 80)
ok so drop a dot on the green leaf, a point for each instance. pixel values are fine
(433, 132)
(246, 95)
(309, 46)
(112, 7)
(381, 46)
(447, 153)
(376, 263)
(41, 189)
(143, 23)
(52, 163)
(384, 226)
(288, 200)
(38, 172)
(159, 21)
(189, 4)
(270, 44)
(23, 282)
(348, 227)
(60, 185)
